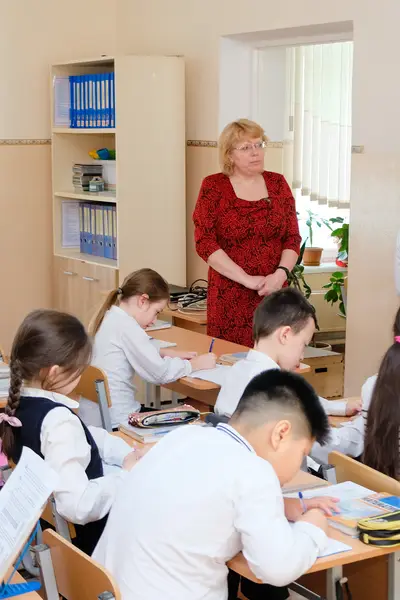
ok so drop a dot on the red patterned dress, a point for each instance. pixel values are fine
(253, 235)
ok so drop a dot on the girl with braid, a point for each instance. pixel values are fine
(49, 354)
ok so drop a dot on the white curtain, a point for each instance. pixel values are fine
(318, 116)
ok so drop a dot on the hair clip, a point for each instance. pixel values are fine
(397, 339)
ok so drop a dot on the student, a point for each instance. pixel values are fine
(374, 435)
(49, 353)
(122, 348)
(382, 433)
(204, 494)
(284, 324)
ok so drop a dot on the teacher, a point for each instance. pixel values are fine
(246, 230)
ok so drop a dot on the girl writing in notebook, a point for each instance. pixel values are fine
(122, 347)
(49, 353)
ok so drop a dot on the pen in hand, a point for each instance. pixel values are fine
(303, 504)
(212, 345)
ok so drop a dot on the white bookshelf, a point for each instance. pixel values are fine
(149, 139)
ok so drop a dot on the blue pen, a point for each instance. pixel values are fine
(303, 504)
(212, 345)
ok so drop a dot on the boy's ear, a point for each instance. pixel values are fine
(280, 433)
(283, 334)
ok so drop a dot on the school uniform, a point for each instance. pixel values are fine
(203, 495)
(348, 439)
(240, 375)
(51, 429)
(122, 349)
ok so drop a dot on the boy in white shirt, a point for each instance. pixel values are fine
(203, 494)
(284, 324)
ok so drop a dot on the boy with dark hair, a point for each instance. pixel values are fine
(204, 494)
(284, 324)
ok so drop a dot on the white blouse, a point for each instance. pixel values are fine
(121, 349)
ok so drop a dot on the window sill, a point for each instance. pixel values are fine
(330, 267)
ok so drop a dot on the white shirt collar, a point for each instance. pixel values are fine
(53, 396)
(260, 357)
(228, 430)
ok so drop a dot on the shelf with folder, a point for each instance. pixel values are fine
(94, 130)
(109, 196)
(75, 254)
(140, 197)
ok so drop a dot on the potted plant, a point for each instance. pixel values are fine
(336, 291)
(312, 254)
(341, 234)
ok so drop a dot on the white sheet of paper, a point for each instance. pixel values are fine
(70, 224)
(334, 547)
(21, 503)
(216, 375)
(344, 491)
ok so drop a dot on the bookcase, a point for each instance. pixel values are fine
(149, 139)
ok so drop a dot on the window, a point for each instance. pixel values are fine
(303, 100)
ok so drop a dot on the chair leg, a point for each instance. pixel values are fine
(47, 575)
(103, 405)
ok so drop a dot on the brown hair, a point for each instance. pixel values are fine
(285, 308)
(44, 339)
(232, 134)
(381, 447)
(144, 281)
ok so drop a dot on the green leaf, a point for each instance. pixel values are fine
(331, 296)
(342, 308)
(319, 223)
(326, 287)
(308, 223)
(337, 275)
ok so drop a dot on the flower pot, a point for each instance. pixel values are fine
(312, 257)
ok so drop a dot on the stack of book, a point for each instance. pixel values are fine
(83, 174)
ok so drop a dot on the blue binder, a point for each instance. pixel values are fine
(86, 225)
(108, 240)
(112, 100)
(72, 115)
(114, 231)
(81, 229)
(92, 229)
(99, 231)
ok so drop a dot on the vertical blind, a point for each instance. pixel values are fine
(317, 146)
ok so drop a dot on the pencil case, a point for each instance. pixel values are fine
(182, 415)
(381, 530)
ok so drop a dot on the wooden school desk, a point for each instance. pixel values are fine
(333, 565)
(194, 321)
(198, 389)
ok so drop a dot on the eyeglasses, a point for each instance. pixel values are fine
(249, 147)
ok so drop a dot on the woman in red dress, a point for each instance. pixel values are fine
(246, 230)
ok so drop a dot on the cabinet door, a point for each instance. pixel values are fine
(79, 287)
(66, 285)
(93, 281)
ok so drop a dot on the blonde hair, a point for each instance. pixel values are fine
(144, 281)
(231, 135)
